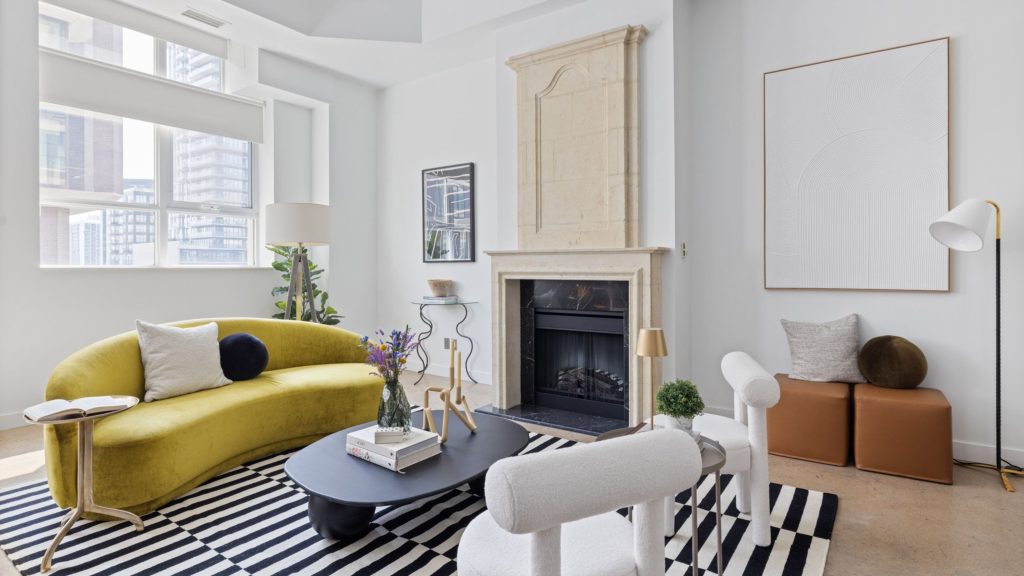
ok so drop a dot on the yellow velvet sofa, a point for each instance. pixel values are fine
(316, 384)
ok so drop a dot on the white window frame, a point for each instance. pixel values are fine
(163, 189)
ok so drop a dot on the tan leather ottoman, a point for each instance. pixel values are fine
(811, 421)
(903, 432)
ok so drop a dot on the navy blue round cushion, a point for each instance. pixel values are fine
(243, 356)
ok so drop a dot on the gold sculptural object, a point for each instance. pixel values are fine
(452, 398)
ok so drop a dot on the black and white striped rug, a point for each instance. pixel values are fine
(252, 520)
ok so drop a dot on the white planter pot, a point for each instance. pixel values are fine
(680, 423)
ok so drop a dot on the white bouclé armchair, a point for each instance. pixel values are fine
(745, 438)
(554, 513)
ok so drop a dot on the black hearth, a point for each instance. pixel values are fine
(575, 346)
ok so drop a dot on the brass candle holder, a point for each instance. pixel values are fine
(452, 397)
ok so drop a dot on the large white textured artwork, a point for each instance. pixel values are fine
(856, 154)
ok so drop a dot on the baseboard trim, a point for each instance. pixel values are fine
(962, 449)
(11, 420)
(978, 452)
(442, 371)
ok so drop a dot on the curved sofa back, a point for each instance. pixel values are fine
(114, 365)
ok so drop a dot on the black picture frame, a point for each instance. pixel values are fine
(448, 201)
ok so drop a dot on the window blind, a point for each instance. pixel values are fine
(83, 83)
(148, 23)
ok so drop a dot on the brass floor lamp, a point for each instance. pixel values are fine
(963, 229)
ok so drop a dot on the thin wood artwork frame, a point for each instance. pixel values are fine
(440, 239)
(948, 166)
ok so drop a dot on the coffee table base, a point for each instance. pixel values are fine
(338, 521)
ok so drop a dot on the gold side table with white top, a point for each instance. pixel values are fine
(84, 502)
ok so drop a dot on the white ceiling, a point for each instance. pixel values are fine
(381, 42)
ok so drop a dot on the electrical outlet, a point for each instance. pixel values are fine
(447, 343)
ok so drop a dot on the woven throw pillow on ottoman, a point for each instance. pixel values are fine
(824, 352)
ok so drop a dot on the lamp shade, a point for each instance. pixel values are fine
(963, 228)
(294, 223)
(650, 343)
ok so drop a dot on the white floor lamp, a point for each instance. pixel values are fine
(299, 225)
(963, 229)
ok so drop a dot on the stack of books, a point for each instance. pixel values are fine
(417, 446)
(441, 299)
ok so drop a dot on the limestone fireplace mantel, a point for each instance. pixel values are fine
(640, 267)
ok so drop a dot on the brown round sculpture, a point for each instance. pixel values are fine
(892, 362)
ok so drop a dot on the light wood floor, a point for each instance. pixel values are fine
(886, 525)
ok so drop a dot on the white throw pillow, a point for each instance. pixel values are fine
(179, 360)
(824, 352)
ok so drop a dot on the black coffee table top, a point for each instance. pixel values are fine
(325, 470)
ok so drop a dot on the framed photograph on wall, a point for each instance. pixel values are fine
(448, 221)
(856, 166)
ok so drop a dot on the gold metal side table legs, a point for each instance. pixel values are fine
(84, 503)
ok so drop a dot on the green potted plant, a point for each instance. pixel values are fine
(681, 402)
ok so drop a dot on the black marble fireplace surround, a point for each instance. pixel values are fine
(575, 353)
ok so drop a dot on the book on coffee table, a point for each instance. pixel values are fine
(395, 464)
(414, 441)
(57, 410)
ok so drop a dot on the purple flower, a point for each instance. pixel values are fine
(389, 353)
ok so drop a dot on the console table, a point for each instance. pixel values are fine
(421, 351)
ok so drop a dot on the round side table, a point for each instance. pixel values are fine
(712, 459)
(84, 502)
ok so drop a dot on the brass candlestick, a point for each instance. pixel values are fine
(451, 397)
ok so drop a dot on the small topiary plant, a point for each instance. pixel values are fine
(680, 399)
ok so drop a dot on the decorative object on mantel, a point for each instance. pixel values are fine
(452, 398)
(441, 288)
(892, 362)
(856, 154)
(681, 402)
(650, 344)
(448, 221)
(964, 229)
(388, 356)
(299, 225)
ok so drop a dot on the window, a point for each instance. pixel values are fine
(116, 191)
(81, 35)
(103, 202)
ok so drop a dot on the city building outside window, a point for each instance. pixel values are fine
(121, 192)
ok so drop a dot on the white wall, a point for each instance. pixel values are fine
(443, 119)
(352, 181)
(293, 152)
(50, 313)
(730, 45)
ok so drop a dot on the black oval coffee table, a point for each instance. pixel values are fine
(344, 491)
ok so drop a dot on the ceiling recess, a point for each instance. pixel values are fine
(208, 19)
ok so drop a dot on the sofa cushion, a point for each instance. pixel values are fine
(179, 360)
(243, 356)
(157, 448)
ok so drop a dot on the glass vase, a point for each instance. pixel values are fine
(394, 410)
